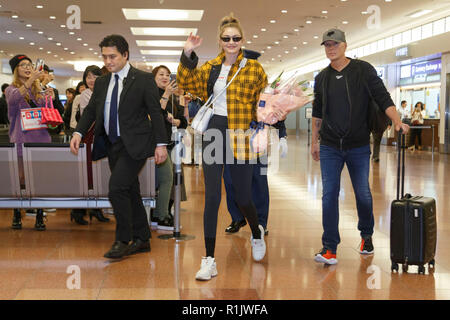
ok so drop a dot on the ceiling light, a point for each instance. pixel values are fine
(49, 52)
(255, 36)
(279, 56)
(79, 39)
(90, 49)
(21, 38)
(249, 42)
(163, 14)
(71, 33)
(41, 32)
(295, 48)
(9, 31)
(163, 31)
(273, 21)
(39, 7)
(28, 25)
(304, 42)
(273, 59)
(85, 44)
(14, 16)
(285, 36)
(41, 48)
(161, 52)
(308, 21)
(419, 13)
(324, 11)
(277, 42)
(345, 22)
(52, 17)
(56, 56)
(83, 64)
(31, 43)
(364, 12)
(388, 0)
(50, 39)
(286, 52)
(269, 47)
(71, 52)
(296, 30)
(262, 51)
(63, 26)
(263, 29)
(316, 37)
(160, 43)
(283, 11)
(58, 44)
(65, 49)
(172, 65)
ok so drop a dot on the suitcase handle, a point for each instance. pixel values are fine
(401, 143)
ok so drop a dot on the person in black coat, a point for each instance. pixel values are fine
(4, 106)
(122, 104)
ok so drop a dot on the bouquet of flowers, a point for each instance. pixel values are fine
(278, 99)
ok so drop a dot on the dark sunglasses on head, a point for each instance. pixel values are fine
(227, 39)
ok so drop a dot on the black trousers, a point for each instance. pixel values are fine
(241, 177)
(125, 196)
(415, 133)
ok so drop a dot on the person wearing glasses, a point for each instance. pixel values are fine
(24, 93)
(234, 109)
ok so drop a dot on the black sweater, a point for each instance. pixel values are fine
(178, 113)
(356, 73)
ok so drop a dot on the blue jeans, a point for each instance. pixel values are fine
(331, 164)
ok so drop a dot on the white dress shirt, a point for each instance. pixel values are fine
(122, 75)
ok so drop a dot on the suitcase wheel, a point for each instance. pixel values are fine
(394, 267)
(405, 268)
(421, 269)
(431, 264)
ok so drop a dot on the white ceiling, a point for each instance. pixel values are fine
(253, 14)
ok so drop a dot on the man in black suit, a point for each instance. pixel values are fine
(120, 106)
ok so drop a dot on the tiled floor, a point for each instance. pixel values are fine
(34, 265)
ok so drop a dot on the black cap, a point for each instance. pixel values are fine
(46, 68)
(14, 62)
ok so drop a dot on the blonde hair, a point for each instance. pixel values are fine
(230, 22)
(35, 87)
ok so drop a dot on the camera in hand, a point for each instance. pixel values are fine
(39, 64)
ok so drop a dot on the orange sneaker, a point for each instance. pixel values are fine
(326, 256)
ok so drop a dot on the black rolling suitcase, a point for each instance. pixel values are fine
(413, 224)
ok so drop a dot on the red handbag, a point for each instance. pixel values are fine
(50, 115)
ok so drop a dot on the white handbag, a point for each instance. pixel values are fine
(201, 119)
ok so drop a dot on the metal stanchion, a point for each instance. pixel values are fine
(177, 161)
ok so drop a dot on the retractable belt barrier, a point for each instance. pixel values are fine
(55, 178)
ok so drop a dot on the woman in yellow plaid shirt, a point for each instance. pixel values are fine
(234, 110)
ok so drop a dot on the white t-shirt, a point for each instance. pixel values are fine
(220, 105)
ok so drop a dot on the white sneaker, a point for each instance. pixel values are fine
(258, 246)
(207, 270)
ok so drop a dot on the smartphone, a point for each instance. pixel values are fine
(39, 65)
(173, 77)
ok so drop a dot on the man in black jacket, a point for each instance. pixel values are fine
(120, 106)
(4, 106)
(340, 116)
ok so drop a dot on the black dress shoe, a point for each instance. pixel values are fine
(235, 226)
(138, 246)
(118, 250)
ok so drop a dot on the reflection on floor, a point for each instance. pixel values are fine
(36, 265)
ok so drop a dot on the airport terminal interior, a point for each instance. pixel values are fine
(408, 43)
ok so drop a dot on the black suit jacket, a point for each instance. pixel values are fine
(138, 100)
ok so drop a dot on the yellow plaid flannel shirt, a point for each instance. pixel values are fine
(242, 96)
